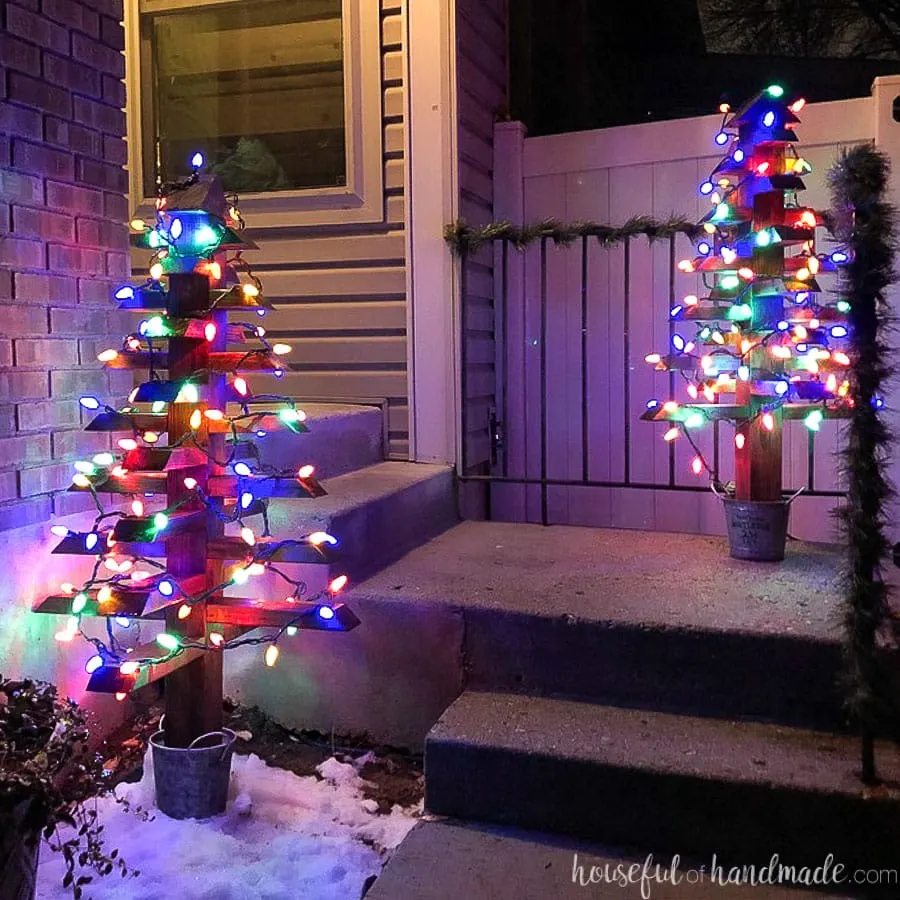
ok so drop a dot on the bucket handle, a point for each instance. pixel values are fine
(222, 734)
(722, 495)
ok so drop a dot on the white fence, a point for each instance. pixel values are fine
(607, 176)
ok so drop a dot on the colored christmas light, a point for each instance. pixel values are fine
(95, 662)
(168, 641)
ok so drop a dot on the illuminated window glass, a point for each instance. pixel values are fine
(256, 85)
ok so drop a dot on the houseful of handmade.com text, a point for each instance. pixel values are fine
(649, 874)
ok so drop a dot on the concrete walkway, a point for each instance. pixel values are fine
(617, 576)
(444, 860)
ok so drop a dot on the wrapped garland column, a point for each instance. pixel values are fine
(863, 218)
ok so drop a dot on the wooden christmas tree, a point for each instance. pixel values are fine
(762, 345)
(190, 466)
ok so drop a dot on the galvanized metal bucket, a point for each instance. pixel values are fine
(192, 782)
(757, 529)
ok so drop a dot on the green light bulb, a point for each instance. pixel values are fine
(155, 326)
(694, 420)
(814, 420)
(79, 601)
(729, 282)
(167, 641)
(160, 521)
(740, 312)
(205, 236)
(775, 90)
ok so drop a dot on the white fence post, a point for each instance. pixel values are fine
(886, 91)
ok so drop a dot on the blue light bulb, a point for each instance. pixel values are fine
(94, 663)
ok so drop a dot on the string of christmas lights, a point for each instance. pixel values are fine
(225, 482)
(762, 333)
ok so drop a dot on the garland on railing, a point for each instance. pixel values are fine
(466, 239)
(864, 219)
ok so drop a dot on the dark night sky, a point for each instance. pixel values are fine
(580, 64)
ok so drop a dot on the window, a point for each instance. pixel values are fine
(283, 97)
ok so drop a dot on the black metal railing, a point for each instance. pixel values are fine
(509, 299)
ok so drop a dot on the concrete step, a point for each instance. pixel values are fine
(378, 678)
(447, 860)
(378, 514)
(341, 438)
(743, 790)
(661, 621)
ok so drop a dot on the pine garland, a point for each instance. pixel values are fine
(465, 239)
(866, 222)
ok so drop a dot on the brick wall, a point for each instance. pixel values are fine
(63, 242)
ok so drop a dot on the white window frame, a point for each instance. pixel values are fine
(361, 199)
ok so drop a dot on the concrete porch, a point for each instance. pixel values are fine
(663, 621)
(627, 689)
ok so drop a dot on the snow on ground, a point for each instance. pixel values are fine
(282, 837)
